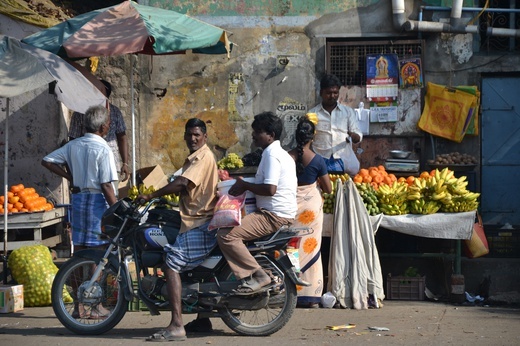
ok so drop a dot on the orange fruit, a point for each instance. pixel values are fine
(358, 178)
(424, 175)
(14, 199)
(367, 179)
(17, 188)
(410, 180)
(381, 168)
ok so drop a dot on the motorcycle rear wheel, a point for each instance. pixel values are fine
(268, 320)
(87, 316)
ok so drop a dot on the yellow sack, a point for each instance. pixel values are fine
(446, 111)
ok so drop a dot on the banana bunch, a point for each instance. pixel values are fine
(313, 117)
(426, 195)
(393, 199)
(369, 196)
(462, 203)
(140, 190)
(456, 196)
(421, 206)
(343, 177)
(172, 198)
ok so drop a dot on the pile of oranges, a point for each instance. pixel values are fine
(375, 176)
(21, 199)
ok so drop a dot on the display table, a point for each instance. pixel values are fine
(438, 225)
(455, 226)
(32, 224)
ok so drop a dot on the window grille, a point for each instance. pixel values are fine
(347, 59)
(497, 19)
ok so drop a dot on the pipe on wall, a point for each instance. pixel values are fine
(454, 26)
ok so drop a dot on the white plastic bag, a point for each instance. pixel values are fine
(328, 300)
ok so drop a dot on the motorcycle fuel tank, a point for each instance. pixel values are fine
(154, 237)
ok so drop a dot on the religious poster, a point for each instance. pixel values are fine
(410, 73)
(382, 77)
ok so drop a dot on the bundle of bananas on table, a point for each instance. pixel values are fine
(424, 195)
(441, 191)
(369, 196)
(458, 198)
(393, 198)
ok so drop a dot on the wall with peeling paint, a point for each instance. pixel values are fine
(275, 65)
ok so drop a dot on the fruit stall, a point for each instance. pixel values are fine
(31, 219)
(435, 204)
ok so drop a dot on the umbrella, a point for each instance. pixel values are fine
(130, 28)
(24, 68)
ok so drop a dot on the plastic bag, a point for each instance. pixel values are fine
(477, 246)
(328, 300)
(446, 112)
(228, 211)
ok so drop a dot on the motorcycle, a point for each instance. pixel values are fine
(92, 290)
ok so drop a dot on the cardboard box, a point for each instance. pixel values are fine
(11, 298)
(150, 176)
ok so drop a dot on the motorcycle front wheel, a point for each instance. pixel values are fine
(273, 316)
(87, 314)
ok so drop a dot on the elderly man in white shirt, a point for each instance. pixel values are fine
(91, 168)
(336, 130)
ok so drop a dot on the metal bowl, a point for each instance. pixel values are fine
(400, 154)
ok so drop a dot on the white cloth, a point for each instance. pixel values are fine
(90, 159)
(438, 225)
(354, 266)
(332, 130)
(277, 168)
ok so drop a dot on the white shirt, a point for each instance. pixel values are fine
(332, 130)
(278, 168)
(90, 159)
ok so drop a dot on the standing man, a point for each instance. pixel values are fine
(197, 186)
(337, 129)
(275, 189)
(116, 136)
(93, 171)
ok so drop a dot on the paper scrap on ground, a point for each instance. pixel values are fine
(379, 329)
(344, 326)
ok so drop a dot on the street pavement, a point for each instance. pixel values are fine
(408, 323)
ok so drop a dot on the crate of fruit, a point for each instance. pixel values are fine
(405, 287)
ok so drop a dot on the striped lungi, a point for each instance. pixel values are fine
(87, 210)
